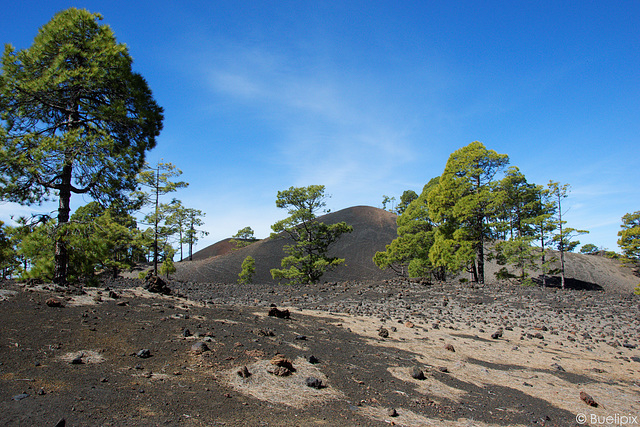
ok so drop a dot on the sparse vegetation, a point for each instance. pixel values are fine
(307, 258)
(76, 120)
(629, 240)
(449, 226)
(248, 270)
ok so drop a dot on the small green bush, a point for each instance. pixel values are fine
(248, 270)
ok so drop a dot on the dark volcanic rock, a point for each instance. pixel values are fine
(244, 372)
(313, 382)
(417, 373)
(54, 302)
(280, 314)
(144, 353)
(199, 348)
(586, 398)
(156, 285)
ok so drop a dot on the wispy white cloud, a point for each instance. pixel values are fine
(326, 118)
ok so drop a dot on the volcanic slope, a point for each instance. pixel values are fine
(373, 228)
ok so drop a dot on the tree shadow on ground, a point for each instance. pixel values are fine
(570, 283)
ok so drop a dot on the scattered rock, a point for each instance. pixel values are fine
(586, 398)
(409, 325)
(244, 372)
(449, 347)
(144, 353)
(77, 360)
(497, 334)
(557, 367)
(301, 337)
(61, 423)
(313, 382)
(265, 332)
(199, 348)
(392, 412)
(186, 333)
(280, 360)
(313, 360)
(54, 302)
(627, 345)
(280, 314)
(417, 373)
(383, 333)
(156, 285)
(113, 295)
(443, 369)
(280, 371)
(20, 396)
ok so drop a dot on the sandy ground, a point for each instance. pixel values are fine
(514, 380)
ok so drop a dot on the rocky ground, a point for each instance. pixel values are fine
(349, 353)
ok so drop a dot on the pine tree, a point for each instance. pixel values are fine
(307, 258)
(462, 205)
(76, 119)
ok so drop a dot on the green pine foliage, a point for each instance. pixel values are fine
(408, 254)
(248, 270)
(477, 211)
(76, 119)
(463, 205)
(308, 257)
(629, 237)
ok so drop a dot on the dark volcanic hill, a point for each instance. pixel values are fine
(373, 228)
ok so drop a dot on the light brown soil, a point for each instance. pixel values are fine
(509, 381)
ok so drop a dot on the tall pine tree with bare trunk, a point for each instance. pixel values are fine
(75, 119)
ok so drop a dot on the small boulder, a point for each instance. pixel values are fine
(280, 360)
(77, 360)
(280, 371)
(417, 373)
(586, 398)
(199, 348)
(145, 353)
(54, 302)
(244, 372)
(280, 314)
(283, 366)
(449, 347)
(313, 382)
(20, 396)
(497, 334)
(383, 333)
(156, 285)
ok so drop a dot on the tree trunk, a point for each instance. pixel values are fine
(561, 246)
(155, 228)
(480, 255)
(61, 251)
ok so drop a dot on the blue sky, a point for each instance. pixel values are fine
(370, 97)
